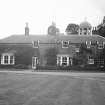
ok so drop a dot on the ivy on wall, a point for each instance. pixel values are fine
(51, 56)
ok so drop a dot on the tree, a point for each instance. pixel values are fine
(72, 28)
(101, 28)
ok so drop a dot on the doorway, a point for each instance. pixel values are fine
(34, 62)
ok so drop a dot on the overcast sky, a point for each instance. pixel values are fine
(40, 14)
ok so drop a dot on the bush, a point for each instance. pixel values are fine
(47, 67)
(21, 66)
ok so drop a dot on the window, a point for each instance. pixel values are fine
(93, 43)
(77, 50)
(58, 60)
(88, 44)
(11, 59)
(90, 60)
(7, 59)
(85, 28)
(65, 44)
(64, 61)
(35, 44)
(85, 33)
(100, 61)
(100, 45)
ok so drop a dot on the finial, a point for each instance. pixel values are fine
(53, 23)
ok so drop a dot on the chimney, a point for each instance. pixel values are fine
(26, 30)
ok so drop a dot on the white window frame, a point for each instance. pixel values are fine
(63, 44)
(88, 44)
(34, 62)
(35, 45)
(8, 60)
(100, 45)
(77, 49)
(60, 60)
(90, 60)
(65, 60)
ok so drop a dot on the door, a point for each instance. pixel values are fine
(34, 62)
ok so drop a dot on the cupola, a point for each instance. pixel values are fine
(52, 29)
(85, 28)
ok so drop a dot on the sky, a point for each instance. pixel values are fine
(40, 13)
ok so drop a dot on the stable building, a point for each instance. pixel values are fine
(52, 51)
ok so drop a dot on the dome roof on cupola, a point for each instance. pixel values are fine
(53, 25)
(85, 24)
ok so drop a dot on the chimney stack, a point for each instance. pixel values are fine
(26, 30)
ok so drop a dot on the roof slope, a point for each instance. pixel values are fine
(51, 39)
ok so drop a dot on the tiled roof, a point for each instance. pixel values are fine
(9, 51)
(51, 39)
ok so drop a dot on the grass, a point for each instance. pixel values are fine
(38, 89)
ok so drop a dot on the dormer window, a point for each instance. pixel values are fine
(90, 60)
(7, 59)
(100, 45)
(77, 50)
(88, 44)
(35, 44)
(65, 44)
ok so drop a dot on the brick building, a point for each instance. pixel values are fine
(52, 51)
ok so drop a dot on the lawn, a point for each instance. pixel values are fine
(44, 89)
